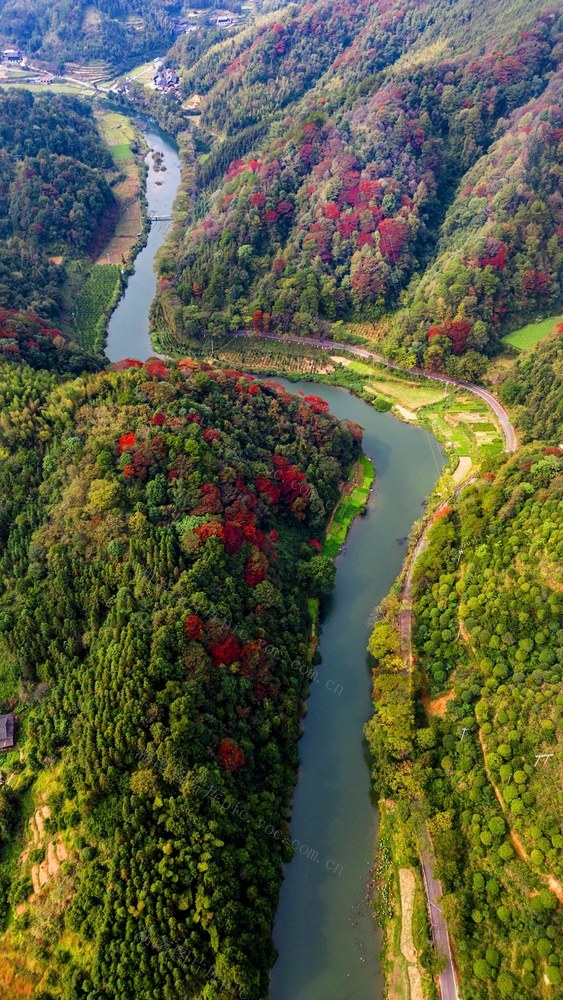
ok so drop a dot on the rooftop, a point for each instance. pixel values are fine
(6, 731)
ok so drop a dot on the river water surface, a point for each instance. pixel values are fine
(327, 942)
(128, 330)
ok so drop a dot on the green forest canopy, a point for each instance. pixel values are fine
(158, 546)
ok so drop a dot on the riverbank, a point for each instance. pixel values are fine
(94, 286)
(325, 931)
(129, 150)
(128, 331)
(353, 502)
(458, 420)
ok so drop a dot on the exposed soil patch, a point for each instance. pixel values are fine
(463, 469)
(16, 980)
(437, 706)
(407, 883)
(408, 886)
(407, 414)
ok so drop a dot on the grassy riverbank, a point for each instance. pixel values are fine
(128, 148)
(354, 501)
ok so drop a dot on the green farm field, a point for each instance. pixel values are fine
(118, 133)
(530, 335)
(93, 303)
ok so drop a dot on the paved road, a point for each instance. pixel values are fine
(510, 440)
(438, 926)
(405, 614)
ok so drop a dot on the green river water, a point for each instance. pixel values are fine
(327, 941)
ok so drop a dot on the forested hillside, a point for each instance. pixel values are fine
(333, 140)
(25, 337)
(121, 32)
(469, 744)
(494, 814)
(158, 546)
(535, 391)
(53, 194)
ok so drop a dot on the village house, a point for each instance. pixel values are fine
(12, 55)
(7, 731)
(166, 80)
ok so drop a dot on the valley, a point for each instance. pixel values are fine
(280, 503)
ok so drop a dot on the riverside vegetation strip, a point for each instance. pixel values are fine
(486, 647)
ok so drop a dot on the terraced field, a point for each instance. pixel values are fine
(119, 133)
(93, 304)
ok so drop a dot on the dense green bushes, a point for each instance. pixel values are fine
(156, 581)
(459, 741)
(534, 391)
(330, 216)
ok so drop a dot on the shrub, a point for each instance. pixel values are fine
(505, 984)
(482, 970)
(506, 851)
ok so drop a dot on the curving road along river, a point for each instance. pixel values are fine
(510, 441)
(327, 942)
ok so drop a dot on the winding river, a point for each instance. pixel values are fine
(128, 330)
(327, 941)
